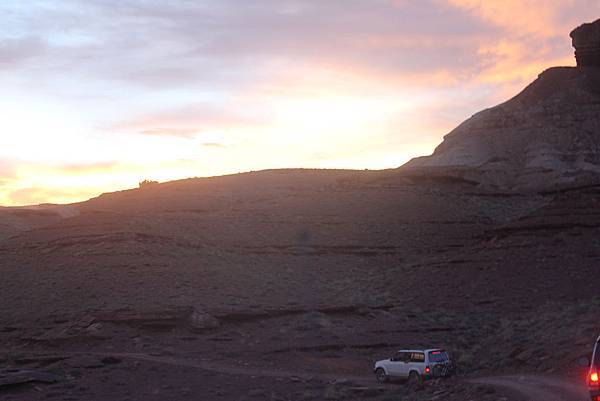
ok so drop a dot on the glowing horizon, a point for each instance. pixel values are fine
(98, 96)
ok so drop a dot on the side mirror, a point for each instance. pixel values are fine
(584, 362)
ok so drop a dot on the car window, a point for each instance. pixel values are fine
(400, 356)
(597, 357)
(417, 357)
(438, 356)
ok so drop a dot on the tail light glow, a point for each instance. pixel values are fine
(594, 378)
(427, 370)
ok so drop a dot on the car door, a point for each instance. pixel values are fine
(398, 365)
(416, 362)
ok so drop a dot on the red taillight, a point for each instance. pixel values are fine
(427, 370)
(594, 378)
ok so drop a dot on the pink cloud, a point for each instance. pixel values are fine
(87, 167)
(186, 122)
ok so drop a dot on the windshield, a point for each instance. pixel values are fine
(438, 356)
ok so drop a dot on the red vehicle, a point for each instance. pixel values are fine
(592, 379)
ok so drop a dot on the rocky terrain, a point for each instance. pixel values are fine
(289, 284)
(545, 138)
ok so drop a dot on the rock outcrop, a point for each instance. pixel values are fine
(586, 41)
(545, 138)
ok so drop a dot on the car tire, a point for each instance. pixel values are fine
(381, 376)
(414, 379)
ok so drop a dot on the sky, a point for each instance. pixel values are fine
(98, 95)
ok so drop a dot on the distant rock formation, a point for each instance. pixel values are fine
(586, 41)
(545, 138)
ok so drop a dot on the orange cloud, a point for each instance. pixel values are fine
(511, 61)
(539, 17)
(34, 183)
(38, 195)
(535, 37)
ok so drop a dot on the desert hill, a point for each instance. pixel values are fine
(305, 271)
(314, 226)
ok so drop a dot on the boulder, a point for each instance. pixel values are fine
(199, 321)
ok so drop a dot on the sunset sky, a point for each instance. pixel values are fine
(99, 95)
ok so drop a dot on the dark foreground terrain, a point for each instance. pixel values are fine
(289, 284)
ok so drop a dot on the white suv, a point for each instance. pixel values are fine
(415, 365)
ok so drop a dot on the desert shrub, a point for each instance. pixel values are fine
(147, 183)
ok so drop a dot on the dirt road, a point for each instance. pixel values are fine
(538, 388)
(241, 370)
(526, 387)
(521, 387)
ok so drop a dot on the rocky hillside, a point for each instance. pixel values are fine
(546, 137)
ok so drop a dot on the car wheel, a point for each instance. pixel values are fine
(414, 379)
(381, 376)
